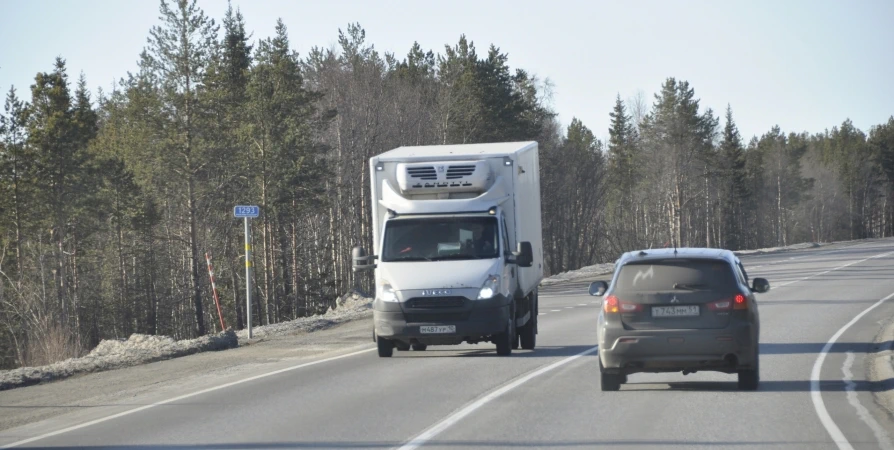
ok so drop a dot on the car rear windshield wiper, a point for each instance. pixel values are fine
(690, 287)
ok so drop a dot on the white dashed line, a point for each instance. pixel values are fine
(452, 419)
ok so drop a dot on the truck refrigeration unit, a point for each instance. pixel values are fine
(457, 246)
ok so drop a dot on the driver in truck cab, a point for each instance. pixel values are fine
(481, 242)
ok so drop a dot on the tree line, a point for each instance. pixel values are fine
(111, 203)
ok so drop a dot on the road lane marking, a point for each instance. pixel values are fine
(452, 419)
(833, 270)
(182, 397)
(880, 435)
(556, 310)
(569, 307)
(829, 252)
(815, 393)
(581, 304)
(541, 314)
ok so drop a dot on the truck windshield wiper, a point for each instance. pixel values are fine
(460, 256)
(690, 287)
(408, 258)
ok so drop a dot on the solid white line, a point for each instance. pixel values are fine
(880, 435)
(815, 393)
(175, 399)
(459, 415)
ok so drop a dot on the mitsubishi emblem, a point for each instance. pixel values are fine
(675, 300)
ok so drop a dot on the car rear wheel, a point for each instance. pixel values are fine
(420, 347)
(385, 347)
(749, 379)
(609, 381)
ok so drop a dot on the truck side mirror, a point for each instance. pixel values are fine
(524, 256)
(360, 261)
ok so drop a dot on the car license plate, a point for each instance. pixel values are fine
(437, 329)
(675, 311)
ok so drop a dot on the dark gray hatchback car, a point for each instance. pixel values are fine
(679, 310)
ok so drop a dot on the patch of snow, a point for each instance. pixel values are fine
(583, 272)
(602, 269)
(141, 348)
(348, 307)
(113, 354)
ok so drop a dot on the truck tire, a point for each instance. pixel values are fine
(419, 347)
(528, 334)
(401, 346)
(504, 339)
(385, 347)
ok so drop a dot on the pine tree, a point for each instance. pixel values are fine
(177, 56)
(280, 113)
(14, 167)
(734, 188)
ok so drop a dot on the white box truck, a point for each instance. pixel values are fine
(457, 251)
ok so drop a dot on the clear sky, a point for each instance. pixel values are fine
(805, 65)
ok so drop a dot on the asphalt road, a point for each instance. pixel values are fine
(467, 397)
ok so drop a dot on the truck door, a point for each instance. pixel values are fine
(510, 271)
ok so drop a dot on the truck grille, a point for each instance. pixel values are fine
(437, 317)
(435, 302)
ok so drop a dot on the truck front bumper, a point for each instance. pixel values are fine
(475, 321)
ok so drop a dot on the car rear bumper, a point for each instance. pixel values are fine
(476, 321)
(725, 350)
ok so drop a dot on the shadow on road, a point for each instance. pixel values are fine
(472, 444)
(768, 348)
(765, 386)
(490, 351)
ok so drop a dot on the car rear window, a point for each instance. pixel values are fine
(675, 274)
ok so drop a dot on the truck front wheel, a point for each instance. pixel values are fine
(505, 339)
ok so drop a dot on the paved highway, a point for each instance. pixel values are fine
(812, 395)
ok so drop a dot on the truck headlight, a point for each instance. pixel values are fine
(386, 293)
(490, 288)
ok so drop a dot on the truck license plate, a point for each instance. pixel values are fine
(437, 329)
(675, 311)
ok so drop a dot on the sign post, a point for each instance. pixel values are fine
(247, 212)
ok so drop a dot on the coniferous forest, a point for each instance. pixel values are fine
(111, 199)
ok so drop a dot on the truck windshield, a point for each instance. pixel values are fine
(439, 239)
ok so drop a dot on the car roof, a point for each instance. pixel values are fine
(682, 252)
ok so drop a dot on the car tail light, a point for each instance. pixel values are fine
(739, 302)
(610, 305)
(613, 306)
